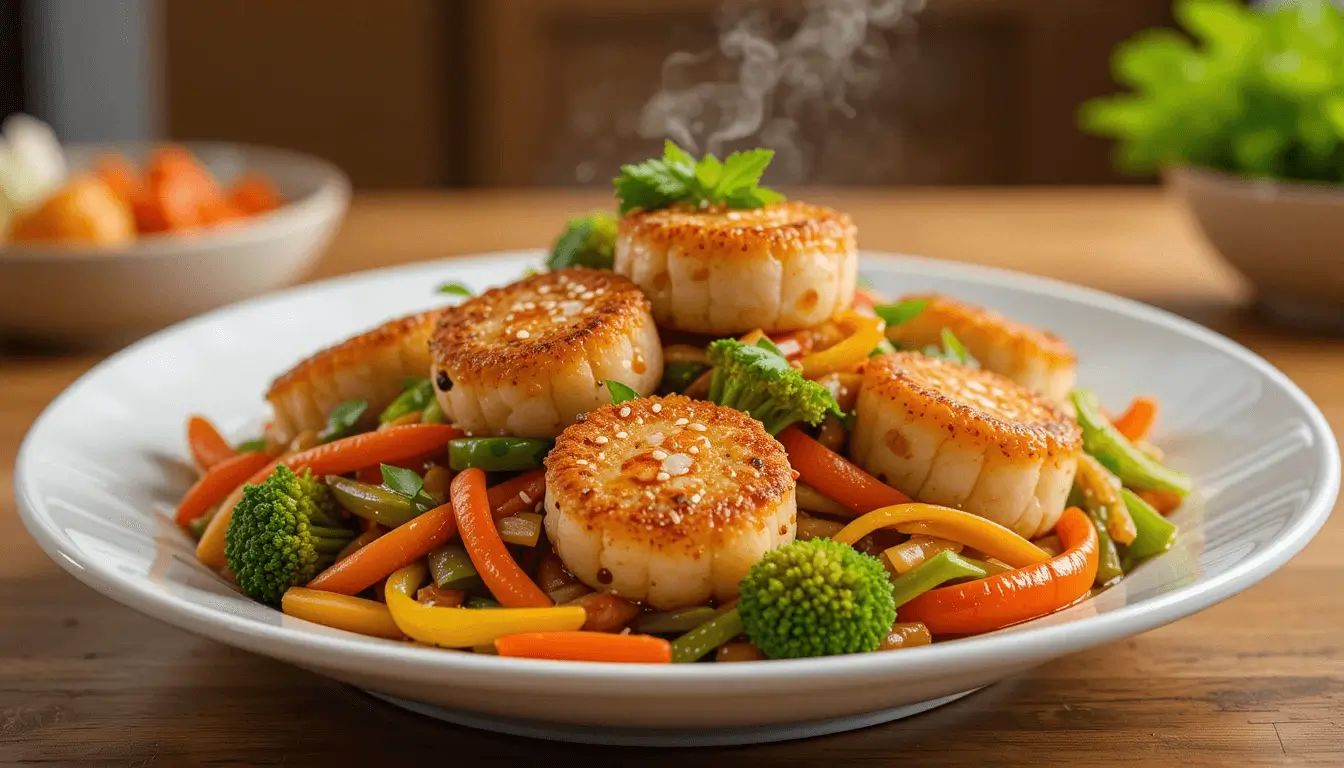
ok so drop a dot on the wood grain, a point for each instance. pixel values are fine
(1257, 680)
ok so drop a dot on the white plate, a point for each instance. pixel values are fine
(101, 471)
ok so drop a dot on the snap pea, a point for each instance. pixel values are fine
(1155, 534)
(673, 622)
(990, 569)
(497, 454)
(1108, 560)
(372, 502)
(1135, 468)
(480, 602)
(450, 564)
(433, 413)
(693, 645)
(415, 397)
(939, 569)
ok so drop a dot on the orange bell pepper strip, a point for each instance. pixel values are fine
(1137, 420)
(836, 477)
(353, 614)
(502, 576)
(587, 646)
(985, 605)
(854, 349)
(953, 524)
(208, 447)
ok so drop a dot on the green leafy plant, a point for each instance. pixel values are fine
(677, 177)
(1254, 91)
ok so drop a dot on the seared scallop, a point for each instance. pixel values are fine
(966, 438)
(370, 367)
(527, 358)
(667, 501)
(1032, 357)
(725, 272)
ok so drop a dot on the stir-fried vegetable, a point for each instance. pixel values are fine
(910, 554)
(1101, 498)
(941, 568)
(1135, 469)
(674, 622)
(375, 504)
(816, 598)
(523, 528)
(985, 605)
(415, 396)
(497, 454)
(387, 553)
(906, 635)
(698, 642)
(520, 494)
(450, 565)
(587, 241)
(946, 523)
(342, 419)
(468, 627)
(587, 646)
(756, 379)
(835, 476)
(505, 580)
(353, 614)
(1155, 534)
(208, 447)
(678, 376)
(219, 481)
(1138, 419)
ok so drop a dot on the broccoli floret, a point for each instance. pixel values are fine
(816, 598)
(283, 532)
(587, 241)
(758, 380)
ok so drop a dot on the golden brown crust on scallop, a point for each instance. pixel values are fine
(726, 233)
(355, 350)
(669, 471)
(522, 330)
(968, 320)
(973, 405)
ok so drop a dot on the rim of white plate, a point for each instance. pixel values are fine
(991, 649)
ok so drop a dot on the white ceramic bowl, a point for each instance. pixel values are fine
(79, 295)
(102, 469)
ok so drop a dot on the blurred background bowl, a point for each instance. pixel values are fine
(85, 296)
(1286, 238)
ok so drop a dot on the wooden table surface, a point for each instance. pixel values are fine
(1258, 680)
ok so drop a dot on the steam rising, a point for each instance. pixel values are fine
(768, 84)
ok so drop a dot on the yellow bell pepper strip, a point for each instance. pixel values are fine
(985, 605)
(468, 627)
(946, 523)
(867, 333)
(353, 614)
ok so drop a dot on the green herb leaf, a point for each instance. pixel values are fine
(955, 351)
(255, 445)
(455, 289)
(765, 343)
(901, 311)
(342, 419)
(620, 392)
(402, 481)
(677, 177)
(677, 376)
(415, 395)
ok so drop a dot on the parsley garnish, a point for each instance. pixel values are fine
(677, 177)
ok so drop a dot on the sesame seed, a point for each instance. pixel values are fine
(601, 440)
(659, 455)
(657, 407)
(676, 518)
(523, 334)
(537, 508)
(523, 495)
(622, 435)
(695, 449)
(695, 498)
(656, 438)
(588, 296)
(625, 411)
(677, 464)
(661, 476)
(682, 422)
(699, 427)
(582, 462)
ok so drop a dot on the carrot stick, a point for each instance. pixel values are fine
(392, 551)
(834, 476)
(253, 194)
(217, 483)
(121, 177)
(587, 646)
(208, 447)
(518, 494)
(502, 576)
(352, 614)
(1138, 420)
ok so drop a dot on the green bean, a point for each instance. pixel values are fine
(1135, 468)
(433, 413)
(990, 569)
(1108, 561)
(679, 375)
(414, 397)
(480, 602)
(372, 502)
(693, 645)
(1155, 534)
(939, 569)
(497, 454)
(450, 563)
(673, 622)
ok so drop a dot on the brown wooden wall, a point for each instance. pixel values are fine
(416, 93)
